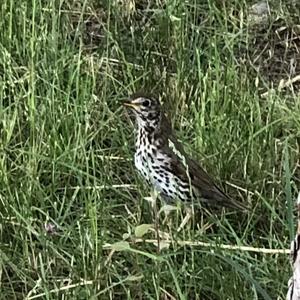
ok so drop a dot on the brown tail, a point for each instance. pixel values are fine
(231, 203)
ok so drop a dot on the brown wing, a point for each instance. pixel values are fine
(202, 183)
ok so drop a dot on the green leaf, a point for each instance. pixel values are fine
(134, 277)
(126, 236)
(120, 246)
(142, 229)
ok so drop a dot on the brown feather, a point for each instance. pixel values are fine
(202, 183)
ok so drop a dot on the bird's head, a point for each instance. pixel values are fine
(147, 110)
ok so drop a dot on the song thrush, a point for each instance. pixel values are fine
(162, 161)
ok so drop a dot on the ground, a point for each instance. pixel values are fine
(73, 210)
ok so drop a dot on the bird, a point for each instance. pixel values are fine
(160, 158)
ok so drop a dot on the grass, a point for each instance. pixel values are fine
(70, 199)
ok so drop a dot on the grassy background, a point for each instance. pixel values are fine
(66, 146)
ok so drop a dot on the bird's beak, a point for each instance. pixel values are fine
(131, 104)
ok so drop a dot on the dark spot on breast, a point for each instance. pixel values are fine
(153, 115)
(165, 191)
(167, 168)
(154, 151)
(149, 139)
(149, 129)
(160, 172)
(165, 173)
(182, 197)
(159, 180)
(150, 116)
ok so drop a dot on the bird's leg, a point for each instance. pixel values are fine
(154, 196)
(186, 219)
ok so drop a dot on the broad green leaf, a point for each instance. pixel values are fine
(120, 246)
(142, 229)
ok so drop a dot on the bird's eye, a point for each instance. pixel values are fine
(146, 103)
